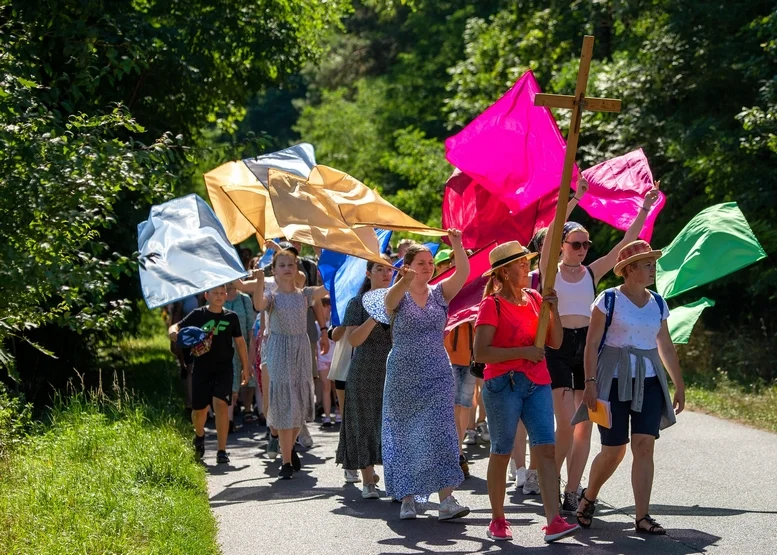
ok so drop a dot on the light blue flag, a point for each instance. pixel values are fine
(298, 160)
(184, 251)
(433, 247)
(343, 275)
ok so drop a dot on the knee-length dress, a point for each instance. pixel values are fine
(287, 354)
(360, 432)
(420, 442)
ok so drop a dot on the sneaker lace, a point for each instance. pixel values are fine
(500, 526)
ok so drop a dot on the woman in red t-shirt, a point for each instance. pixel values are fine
(517, 382)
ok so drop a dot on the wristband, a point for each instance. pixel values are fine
(590, 380)
(645, 209)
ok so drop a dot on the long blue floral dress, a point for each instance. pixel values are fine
(420, 442)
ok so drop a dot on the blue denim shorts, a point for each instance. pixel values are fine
(465, 385)
(513, 397)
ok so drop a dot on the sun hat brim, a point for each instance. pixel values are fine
(618, 270)
(508, 260)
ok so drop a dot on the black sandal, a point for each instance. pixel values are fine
(588, 512)
(655, 528)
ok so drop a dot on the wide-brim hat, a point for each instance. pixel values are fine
(504, 254)
(636, 250)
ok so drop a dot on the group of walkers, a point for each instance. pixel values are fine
(405, 406)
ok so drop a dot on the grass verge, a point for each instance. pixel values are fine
(732, 402)
(111, 472)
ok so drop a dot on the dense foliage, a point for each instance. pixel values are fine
(106, 107)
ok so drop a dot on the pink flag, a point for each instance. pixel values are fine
(514, 149)
(616, 189)
(483, 218)
(464, 306)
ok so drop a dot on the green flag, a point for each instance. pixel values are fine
(683, 318)
(718, 241)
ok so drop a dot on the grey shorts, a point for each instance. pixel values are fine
(465, 385)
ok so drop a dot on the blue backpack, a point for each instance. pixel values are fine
(609, 307)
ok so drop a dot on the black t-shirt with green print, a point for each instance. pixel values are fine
(225, 326)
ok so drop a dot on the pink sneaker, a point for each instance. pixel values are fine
(499, 529)
(558, 529)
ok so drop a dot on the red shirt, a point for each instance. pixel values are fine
(516, 326)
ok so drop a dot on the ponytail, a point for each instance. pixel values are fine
(366, 286)
(490, 286)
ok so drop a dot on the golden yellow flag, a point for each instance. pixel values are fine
(309, 215)
(241, 203)
(361, 206)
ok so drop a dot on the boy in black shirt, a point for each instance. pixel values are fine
(212, 373)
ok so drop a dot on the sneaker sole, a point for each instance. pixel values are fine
(407, 517)
(371, 496)
(462, 513)
(549, 538)
(530, 492)
(497, 538)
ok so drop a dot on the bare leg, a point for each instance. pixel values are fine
(548, 477)
(519, 447)
(286, 439)
(231, 407)
(604, 465)
(564, 409)
(221, 409)
(444, 493)
(581, 448)
(248, 398)
(199, 417)
(497, 483)
(475, 403)
(481, 404)
(642, 472)
(462, 417)
(326, 392)
(368, 475)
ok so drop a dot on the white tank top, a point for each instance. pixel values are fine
(575, 298)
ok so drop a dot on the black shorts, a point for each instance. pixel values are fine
(340, 385)
(565, 364)
(209, 383)
(647, 422)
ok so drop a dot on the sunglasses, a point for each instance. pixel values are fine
(577, 245)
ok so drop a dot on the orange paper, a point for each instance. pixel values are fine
(603, 414)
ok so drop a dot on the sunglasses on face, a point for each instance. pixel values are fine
(577, 245)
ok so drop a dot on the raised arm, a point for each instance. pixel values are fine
(398, 290)
(260, 302)
(582, 188)
(601, 266)
(452, 285)
(668, 356)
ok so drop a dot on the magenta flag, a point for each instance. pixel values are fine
(616, 189)
(514, 149)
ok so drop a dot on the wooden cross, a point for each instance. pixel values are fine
(577, 104)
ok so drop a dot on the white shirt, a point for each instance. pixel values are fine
(633, 326)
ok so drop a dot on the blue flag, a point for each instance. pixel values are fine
(184, 250)
(433, 247)
(343, 275)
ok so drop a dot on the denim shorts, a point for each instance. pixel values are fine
(512, 397)
(465, 385)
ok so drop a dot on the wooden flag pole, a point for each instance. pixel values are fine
(577, 104)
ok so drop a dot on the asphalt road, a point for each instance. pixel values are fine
(715, 491)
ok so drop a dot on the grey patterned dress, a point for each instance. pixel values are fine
(360, 433)
(287, 354)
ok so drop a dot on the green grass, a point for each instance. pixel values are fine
(111, 472)
(732, 402)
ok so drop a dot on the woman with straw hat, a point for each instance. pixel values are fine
(627, 349)
(517, 382)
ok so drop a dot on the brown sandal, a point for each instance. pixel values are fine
(588, 512)
(655, 528)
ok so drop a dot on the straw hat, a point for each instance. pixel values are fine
(636, 250)
(503, 254)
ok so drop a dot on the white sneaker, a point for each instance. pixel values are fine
(532, 485)
(305, 438)
(450, 509)
(470, 437)
(483, 434)
(352, 476)
(511, 470)
(370, 492)
(407, 512)
(520, 477)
